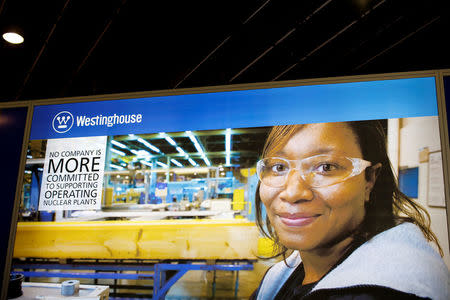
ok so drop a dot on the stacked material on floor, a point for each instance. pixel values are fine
(165, 239)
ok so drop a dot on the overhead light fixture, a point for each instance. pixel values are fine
(176, 162)
(198, 147)
(115, 167)
(144, 162)
(168, 139)
(173, 143)
(141, 153)
(13, 38)
(162, 164)
(118, 144)
(148, 145)
(228, 146)
(190, 135)
(118, 152)
(181, 151)
(192, 162)
(207, 162)
(195, 142)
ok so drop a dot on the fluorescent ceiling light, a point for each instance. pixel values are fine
(195, 142)
(115, 167)
(181, 151)
(207, 162)
(118, 152)
(191, 136)
(162, 165)
(141, 153)
(199, 148)
(144, 162)
(118, 144)
(29, 156)
(228, 146)
(27, 172)
(170, 140)
(141, 140)
(228, 140)
(192, 162)
(176, 162)
(173, 143)
(13, 38)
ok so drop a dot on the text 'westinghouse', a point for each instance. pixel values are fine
(108, 121)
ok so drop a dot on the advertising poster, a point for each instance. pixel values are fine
(176, 191)
(73, 174)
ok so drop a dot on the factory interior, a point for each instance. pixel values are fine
(184, 198)
(178, 213)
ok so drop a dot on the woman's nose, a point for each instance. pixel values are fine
(296, 189)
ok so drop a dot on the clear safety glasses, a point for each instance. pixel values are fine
(316, 171)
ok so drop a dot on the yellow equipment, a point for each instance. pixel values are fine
(166, 239)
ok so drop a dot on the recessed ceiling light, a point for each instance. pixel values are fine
(13, 38)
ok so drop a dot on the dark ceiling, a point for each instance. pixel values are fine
(75, 48)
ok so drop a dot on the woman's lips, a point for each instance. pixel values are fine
(297, 220)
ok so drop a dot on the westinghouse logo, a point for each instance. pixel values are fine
(108, 121)
(62, 122)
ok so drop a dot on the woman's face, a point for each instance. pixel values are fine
(308, 218)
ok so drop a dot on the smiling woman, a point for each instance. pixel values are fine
(332, 200)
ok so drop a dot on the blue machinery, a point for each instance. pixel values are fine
(164, 275)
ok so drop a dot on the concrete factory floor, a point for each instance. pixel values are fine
(193, 285)
(198, 284)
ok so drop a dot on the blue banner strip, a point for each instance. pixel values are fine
(383, 99)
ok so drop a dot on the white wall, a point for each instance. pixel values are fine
(413, 135)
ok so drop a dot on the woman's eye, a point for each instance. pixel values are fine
(278, 168)
(326, 168)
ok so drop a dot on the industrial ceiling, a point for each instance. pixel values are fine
(78, 48)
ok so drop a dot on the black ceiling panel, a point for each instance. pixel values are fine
(77, 48)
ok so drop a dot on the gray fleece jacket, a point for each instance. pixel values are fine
(399, 258)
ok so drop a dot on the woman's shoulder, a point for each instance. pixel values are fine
(400, 259)
(401, 245)
(362, 293)
(277, 275)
